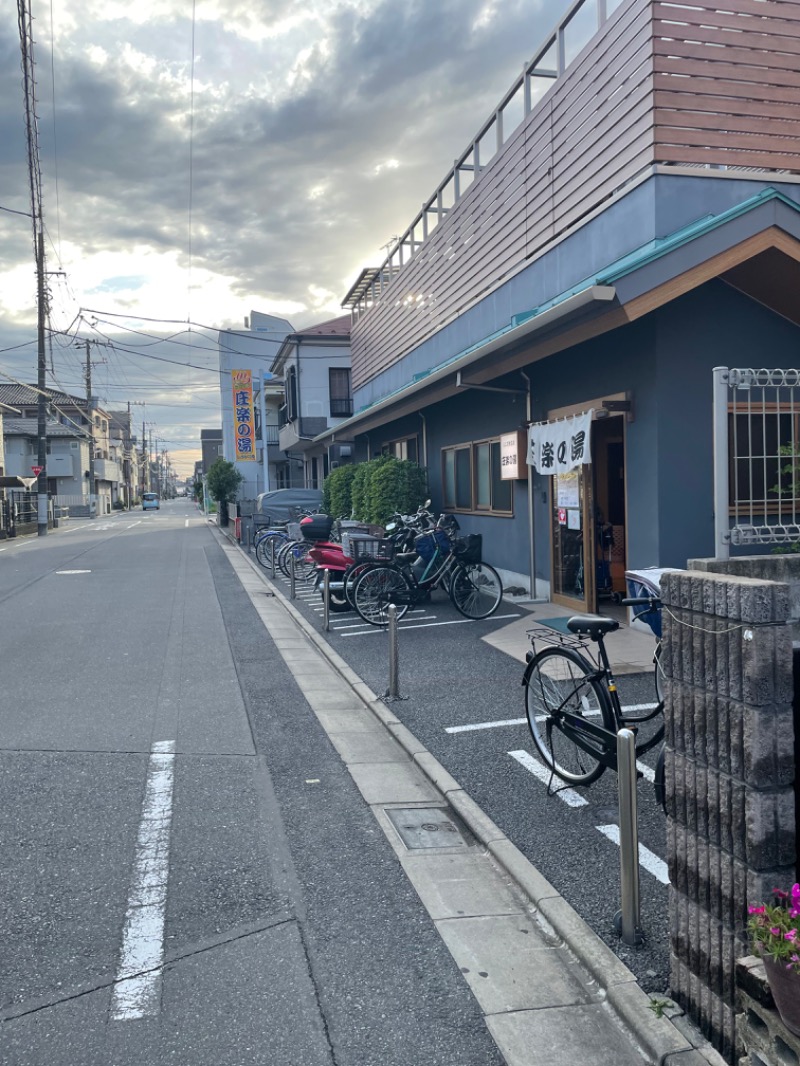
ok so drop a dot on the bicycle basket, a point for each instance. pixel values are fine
(426, 543)
(468, 549)
(372, 548)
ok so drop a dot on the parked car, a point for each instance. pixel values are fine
(150, 501)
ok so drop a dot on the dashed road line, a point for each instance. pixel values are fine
(137, 992)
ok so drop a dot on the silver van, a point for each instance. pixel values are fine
(150, 501)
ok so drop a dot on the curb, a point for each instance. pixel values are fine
(664, 1041)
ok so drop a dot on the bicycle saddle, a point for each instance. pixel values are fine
(591, 624)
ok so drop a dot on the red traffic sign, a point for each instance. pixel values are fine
(37, 470)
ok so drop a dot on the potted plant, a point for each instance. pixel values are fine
(775, 932)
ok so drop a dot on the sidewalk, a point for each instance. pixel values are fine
(550, 991)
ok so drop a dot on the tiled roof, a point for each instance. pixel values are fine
(29, 427)
(25, 395)
(334, 327)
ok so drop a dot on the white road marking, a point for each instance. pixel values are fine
(137, 991)
(538, 718)
(186, 523)
(647, 773)
(655, 866)
(428, 625)
(566, 795)
(485, 725)
(73, 571)
(138, 522)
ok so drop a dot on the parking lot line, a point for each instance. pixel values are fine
(655, 866)
(566, 794)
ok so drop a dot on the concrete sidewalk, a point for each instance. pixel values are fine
(551, 992)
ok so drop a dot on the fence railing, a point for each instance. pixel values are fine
(756, 418)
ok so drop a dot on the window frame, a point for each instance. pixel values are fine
(450, 502)
(345, 402)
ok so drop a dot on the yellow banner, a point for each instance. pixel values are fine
(243, 420)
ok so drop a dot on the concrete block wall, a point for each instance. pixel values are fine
(727, 660)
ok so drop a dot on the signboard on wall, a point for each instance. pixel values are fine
(512, 456)
(561, 446)
(243, 417)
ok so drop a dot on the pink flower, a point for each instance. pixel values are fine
(756, 910)
(775, 931)
(791, 935)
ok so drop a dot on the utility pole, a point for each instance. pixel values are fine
(127, 459)
(90, 409)
(41, 406)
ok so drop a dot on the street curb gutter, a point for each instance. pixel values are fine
(663, 1040)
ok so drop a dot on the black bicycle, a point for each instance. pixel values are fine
(572, 703)
(440, 560)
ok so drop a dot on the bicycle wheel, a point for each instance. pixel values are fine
(476, 590)
(266, 544)
(351, 576)
(304, 567)
(378, 587)
(556, 680)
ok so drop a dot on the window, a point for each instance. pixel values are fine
(291, 395)
(404, 448)
(339, 389)
(472, 479)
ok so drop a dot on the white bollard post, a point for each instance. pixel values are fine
(393, 691)
(326, 599)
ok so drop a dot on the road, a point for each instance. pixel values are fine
(190, 875)
(462, 698)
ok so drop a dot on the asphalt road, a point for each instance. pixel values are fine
(189, 873)
(450, 679)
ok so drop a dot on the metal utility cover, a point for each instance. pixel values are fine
(427, 827)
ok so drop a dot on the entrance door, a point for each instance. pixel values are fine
(588, 524)
(573, 574)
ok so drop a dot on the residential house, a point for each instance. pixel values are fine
(637, 227)
(315, 366)
(67, 459)
(75, 412)
(124, 441)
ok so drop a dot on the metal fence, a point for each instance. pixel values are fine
(756, 458)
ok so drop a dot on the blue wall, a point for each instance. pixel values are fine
(664, 361)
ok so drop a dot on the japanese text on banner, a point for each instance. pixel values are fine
(243, 419)
(558, 447)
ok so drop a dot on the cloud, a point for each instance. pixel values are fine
(311, 133)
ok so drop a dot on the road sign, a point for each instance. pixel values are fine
(37, 470)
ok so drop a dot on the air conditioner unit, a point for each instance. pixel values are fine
(340, 453)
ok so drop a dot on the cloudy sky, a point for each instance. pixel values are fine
(203, 160)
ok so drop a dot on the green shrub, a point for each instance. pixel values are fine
(358, 491)
(373, 491)
(336, 491)
(395, 485)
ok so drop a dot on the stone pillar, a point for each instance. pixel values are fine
(727, 659)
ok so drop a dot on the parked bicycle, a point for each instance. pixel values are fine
(439, 560)
(572, 703)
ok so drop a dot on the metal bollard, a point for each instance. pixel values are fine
(291, 575)
(628, 919)
(326, 599)
(393, 691)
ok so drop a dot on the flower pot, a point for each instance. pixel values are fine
(785, 987)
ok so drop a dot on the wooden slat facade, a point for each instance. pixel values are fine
(660, 83)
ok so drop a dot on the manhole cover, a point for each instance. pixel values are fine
(427, 827)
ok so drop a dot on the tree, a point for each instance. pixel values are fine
(223, 483)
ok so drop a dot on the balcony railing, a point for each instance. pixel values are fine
(341, 408)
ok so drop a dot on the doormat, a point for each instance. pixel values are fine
(559, 624)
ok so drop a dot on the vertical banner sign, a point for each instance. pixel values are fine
(243, 418)
(558, 447)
